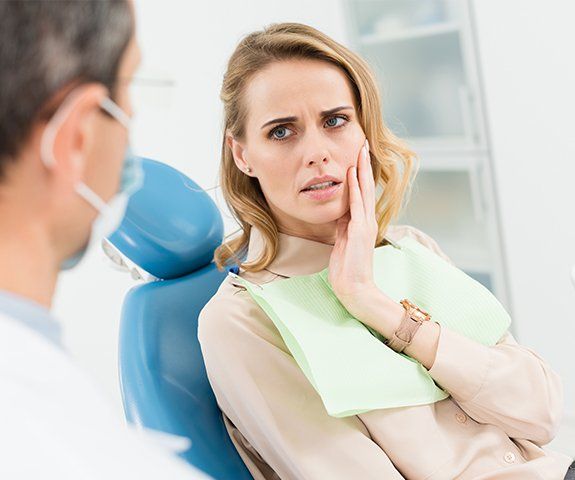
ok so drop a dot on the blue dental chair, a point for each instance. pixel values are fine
(168, 236)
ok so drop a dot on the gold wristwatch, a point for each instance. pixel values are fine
(412, 320)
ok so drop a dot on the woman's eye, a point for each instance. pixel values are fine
(280, 133)
(334, 122)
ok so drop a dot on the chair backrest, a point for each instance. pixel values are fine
(170, 231)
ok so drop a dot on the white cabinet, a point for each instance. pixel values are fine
(423, 54)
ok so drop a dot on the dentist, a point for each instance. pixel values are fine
(65, 178)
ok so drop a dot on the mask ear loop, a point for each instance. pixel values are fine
(54, 124)
(91, 197)
(111, 107)
(49, 138)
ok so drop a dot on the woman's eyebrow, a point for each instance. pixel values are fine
(280, 120)
(331, 111)
(325, 113)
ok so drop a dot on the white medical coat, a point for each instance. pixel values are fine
(54, 423)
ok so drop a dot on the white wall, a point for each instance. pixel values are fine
(526, 51)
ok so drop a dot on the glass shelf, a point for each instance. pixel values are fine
(414, 33)
(449, 159)
(399, 18)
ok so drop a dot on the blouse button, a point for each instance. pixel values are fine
(461, 418)
(509, 457)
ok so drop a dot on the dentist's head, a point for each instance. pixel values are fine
(65, 69)
(298, 107)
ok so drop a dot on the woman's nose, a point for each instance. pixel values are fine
(313, 161)
(315, 152)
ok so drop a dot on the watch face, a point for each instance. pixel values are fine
(419, 315)
(415, 312)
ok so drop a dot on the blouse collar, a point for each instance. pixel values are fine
(295, 256)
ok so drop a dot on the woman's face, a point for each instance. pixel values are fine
(301, 125)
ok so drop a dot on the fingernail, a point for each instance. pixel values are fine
(367, 145)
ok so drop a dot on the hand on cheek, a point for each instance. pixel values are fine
(350, 267)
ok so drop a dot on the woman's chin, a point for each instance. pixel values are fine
(324, 213)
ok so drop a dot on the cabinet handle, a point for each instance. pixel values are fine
(477, 193)
(469, 127)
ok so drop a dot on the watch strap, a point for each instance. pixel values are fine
(408, 327)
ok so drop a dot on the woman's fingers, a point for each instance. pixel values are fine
(355, 197)
(342, 228)
(368, 185)
(362, 188)
(372, 201)
(362, 173)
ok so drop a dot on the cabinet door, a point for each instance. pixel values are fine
(423, 55)
(417, 49)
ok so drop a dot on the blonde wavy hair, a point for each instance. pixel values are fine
(391, 160)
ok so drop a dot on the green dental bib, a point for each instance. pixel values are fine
(346, 362)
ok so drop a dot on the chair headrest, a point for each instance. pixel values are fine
(171, 227)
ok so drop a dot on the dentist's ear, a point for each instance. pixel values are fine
(69, 134)
(239, 154)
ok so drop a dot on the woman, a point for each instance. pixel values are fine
(298, 110)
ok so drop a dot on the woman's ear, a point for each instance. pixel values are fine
(238, 153)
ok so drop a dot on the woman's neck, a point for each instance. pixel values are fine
(322, 233)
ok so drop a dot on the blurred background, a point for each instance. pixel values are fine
(481, 90)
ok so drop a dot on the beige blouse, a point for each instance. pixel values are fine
(505, 403)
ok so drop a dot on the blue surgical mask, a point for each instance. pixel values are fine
(111, 213)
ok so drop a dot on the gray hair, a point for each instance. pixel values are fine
(47, 45)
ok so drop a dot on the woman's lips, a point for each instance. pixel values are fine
(324, 193)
